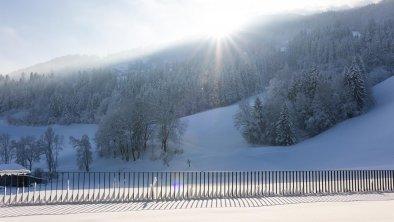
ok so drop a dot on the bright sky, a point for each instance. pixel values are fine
(33, 31)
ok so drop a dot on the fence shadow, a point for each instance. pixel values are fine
(18, 211)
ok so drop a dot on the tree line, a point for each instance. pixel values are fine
(27, 150)
(305, 106)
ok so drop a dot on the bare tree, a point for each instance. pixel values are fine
(6, 150)
(58, 146)
(27, 151)
(84, 152)
(50, 144)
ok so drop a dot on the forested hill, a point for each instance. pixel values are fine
(209, 73)
(307, 73)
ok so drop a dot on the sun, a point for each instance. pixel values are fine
(220, 24)
(219, 30)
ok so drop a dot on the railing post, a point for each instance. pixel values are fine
(10, 193)
(377, 180)
(332, 181)
(275, 185)
(381, 181)
(228, 184)
(261, 183)
(392, 180)
(201, 184)
(360, 181)
(283, 183)
(328, 181)
(373, 180)
(350, 179)
(244, 184)
(5, 188)
(310, 183)
(343, 181)
(365, 179)
(386, 179)
(325, 177)
(28, 189)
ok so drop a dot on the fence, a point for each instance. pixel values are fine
(70, 187)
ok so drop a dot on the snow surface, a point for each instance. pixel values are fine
(360, 208)
(211, 142)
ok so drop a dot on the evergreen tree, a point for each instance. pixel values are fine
(246, 123)
(320, 119)
(356, 88)
(310, 82)
(260, 121)
(285, 135)
(360, 64)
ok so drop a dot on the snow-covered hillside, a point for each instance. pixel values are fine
(212, 142)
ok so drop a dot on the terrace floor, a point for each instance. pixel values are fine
(352, 207)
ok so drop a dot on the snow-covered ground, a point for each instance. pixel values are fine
(349, 208)
(212, 142)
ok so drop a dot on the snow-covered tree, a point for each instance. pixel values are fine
(320, 119)
(109, 136)
(170, 127)
(310, 82)
(84, 152)
(356, 89)
(7, 151)
(260, 121)
(50, 144)
(58, 146)
(27, 151)
(285, 134)
(246, 123)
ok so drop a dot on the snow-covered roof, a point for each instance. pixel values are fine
(12, 169)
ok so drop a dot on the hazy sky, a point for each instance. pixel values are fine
(33, 31)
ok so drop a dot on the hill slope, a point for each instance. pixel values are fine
(362, 142)
(211, 142)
